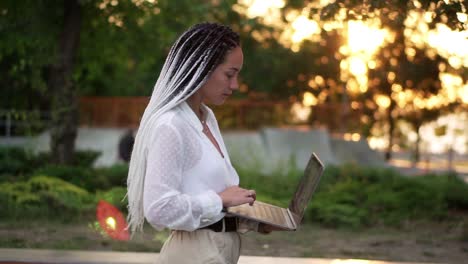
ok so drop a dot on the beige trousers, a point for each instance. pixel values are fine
(200, 246)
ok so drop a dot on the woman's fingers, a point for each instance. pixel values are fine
(253, 195)
(234, 195)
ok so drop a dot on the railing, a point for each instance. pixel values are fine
(233, 114)
(111, 111)
(22, 122)
(124, 112)
(127, 111)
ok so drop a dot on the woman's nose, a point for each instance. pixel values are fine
(234, 85)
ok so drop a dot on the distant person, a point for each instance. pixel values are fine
(126, 145)
(180, 174)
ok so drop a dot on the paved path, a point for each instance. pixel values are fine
(22, 256)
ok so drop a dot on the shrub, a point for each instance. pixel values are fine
(43, 196)
(85, 158)
(82, 177)
(16, 161)
(276, 188)
(82, 158)
(353, 196)
(114, 176)
(381, 195)
(340, 204)
(61, 194)
(456, 194)
(88, 178)
(114, 196)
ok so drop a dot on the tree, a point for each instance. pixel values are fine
(64, 103)
(398, 70)
(62, 49)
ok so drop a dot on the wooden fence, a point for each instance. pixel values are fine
(234, 114)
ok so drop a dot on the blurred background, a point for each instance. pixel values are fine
(378, 88)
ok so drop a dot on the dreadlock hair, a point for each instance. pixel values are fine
(189, 64)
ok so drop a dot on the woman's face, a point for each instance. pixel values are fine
(223, 81)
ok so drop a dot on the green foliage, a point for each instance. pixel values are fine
(276, 188)
(16, 161)
(353, 196)
(444, 12)
(80, 176)
(24, 122)
(379, 196)
(87, 177)
(348, 196)
(25, 192)
(114, 196)
(28, 39)
(456, 192)
(44, 196)
(85, 158)
(115, 175)
(82, 158)
(19, 163)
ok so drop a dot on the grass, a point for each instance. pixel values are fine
(409, 242)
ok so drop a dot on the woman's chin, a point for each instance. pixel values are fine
(217, 102)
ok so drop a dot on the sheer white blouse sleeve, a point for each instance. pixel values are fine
(165, 206)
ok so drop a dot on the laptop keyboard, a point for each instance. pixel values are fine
(263, 211)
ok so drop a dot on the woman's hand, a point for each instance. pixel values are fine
(235, 195)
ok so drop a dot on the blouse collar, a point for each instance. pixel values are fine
(193, 118)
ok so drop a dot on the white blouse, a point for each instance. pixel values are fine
(185, 171)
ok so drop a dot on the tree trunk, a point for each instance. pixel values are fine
(417, 152)
(391, 128)
(343, 124)
(64, 101)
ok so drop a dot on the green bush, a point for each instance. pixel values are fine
(456, 194)
(16, 161)
(276, 188)
(115, 175)
(85, 158)
(43, 196)
(82, 177)
(114, 196)
(339, 205)
(378, 196)
(353, 196)
(81, 158)
(86, 177)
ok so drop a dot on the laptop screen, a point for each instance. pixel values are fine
(307, 186)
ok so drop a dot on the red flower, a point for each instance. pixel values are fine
(112, 221)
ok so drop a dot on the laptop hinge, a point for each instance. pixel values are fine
(293, 218)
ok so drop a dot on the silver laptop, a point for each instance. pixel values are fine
(285, 218)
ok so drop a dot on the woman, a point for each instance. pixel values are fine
(180, 175)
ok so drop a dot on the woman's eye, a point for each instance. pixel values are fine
(229, 75)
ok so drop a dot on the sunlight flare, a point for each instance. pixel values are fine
(111, 223)
(309, 99)
(364, 37)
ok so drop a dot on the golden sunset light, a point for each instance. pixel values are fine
(364, 40)
(259, 8)
(365, 36)
(299, 112)
(111, 223)
(309, 99)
